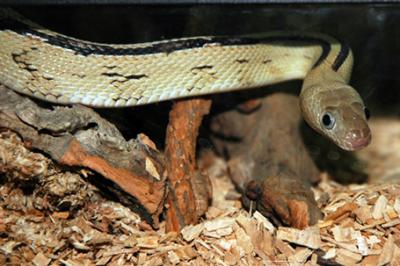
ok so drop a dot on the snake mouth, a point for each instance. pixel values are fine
(359, 144)
(357, 141)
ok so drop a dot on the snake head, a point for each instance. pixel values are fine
(338, 113)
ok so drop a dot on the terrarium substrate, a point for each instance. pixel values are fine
(64, 220)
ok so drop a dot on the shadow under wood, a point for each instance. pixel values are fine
(113, 192)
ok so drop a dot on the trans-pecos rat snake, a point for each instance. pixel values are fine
(60, 69)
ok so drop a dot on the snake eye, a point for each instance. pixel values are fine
(328, 120)
(367, 113)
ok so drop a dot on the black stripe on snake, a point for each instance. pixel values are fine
(85, 48)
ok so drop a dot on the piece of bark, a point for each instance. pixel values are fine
(78, 136)
(189, 192)
(269, 162)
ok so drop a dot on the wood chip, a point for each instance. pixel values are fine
(284, 248)
(155, 261)
(264, 221)
(363, 213)
(362, 245)
(185, 253)
(7, 247)
(342, 234)
(151, 168)
(379, 207)
(213, 212)
(313, 261)
(373, 224)
(70, 262)
(391, 213)
(117, 250)
(230, 258)
(330, 254)
(372, 240)
(396, 255)
(146, 141)
(387, 251)
(301, 256)
(142, 258)
(41, 260)
(396, 205)
(370, 260)
(147, 242)
(348, 246)
(345, 257)
(391, 223)
(218, 223)
(322, 224)
(103, 261)
(263, 242)
(61, 215)
(226, 244)
(225, 231)
(95, 237)
(348, 207)
(243, 240)
(191, 232)
(173, 257)
(308, 237)
(79, 245)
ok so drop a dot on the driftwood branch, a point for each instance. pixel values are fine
(78, 136)
(189, 190)
(269, 162)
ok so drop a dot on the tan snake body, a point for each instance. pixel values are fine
(60, 69)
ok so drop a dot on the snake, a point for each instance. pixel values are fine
(50, 66)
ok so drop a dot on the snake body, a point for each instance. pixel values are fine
(47, 65)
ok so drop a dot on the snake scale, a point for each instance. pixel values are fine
(53, 67)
